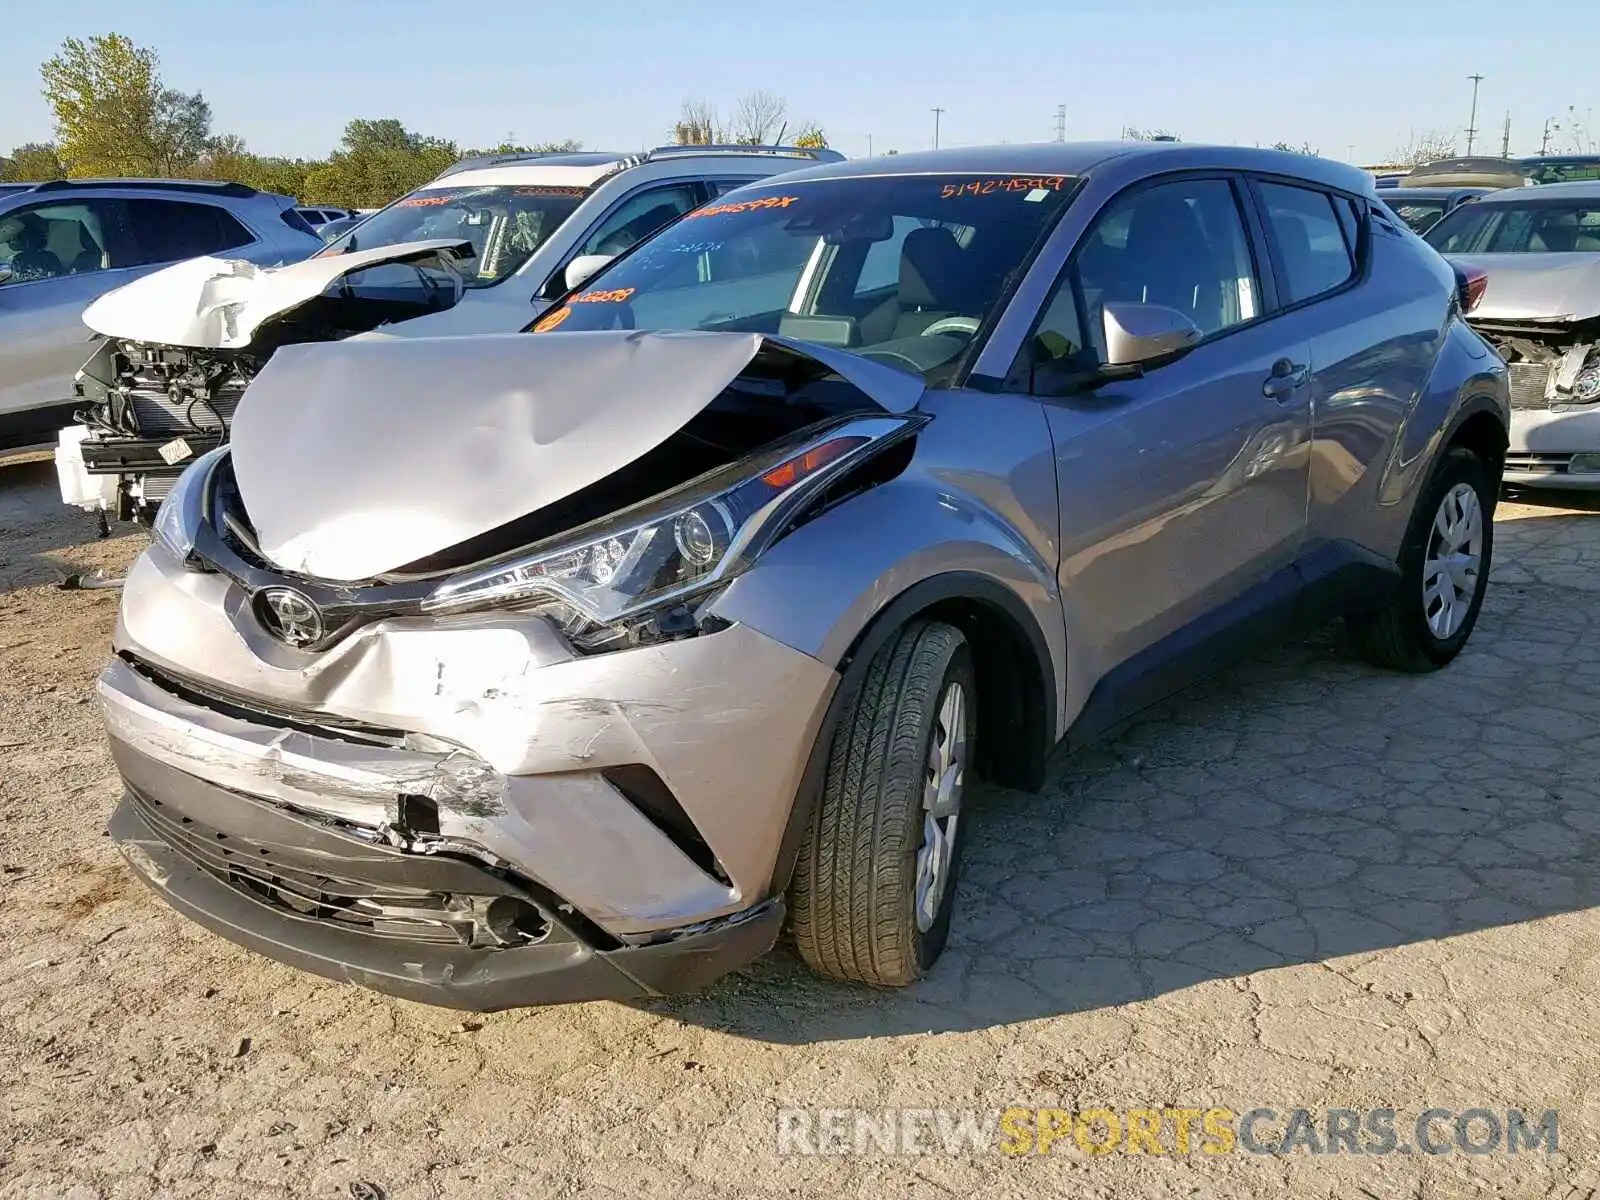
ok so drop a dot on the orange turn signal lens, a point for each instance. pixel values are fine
(792, 472)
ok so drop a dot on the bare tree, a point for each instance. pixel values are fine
(757, 118)
(1428, 146)
(1291, 148)
(697, 125)
(1577, 127)
(1133, 134)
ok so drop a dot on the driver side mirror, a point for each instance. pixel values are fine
(582, 268)
(1135, 333)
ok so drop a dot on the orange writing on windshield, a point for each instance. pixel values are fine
(1017, 183)
(550, 320)
(739, 206)
(427, 201)
(615, 296)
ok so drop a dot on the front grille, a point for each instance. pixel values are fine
(253, 710)
(1539, 464)
(381, 910)
(1527, 385)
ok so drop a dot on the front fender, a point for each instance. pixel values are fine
(824, 584)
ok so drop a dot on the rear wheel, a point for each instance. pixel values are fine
(1444, 569)
(875, 882)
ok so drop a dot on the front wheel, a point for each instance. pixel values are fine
(875, 882)
(1444, 570)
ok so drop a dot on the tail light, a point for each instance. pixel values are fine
(1471, 284)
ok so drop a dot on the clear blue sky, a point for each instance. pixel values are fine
(287, 74)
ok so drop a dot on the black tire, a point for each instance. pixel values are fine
(854, 892)
(1398, 636)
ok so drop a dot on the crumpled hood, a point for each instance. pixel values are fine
(220, 303)
(1536, 287)
(356, 458)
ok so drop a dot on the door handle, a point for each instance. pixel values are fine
(1287, 378)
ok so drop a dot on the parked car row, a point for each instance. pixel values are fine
(483, 248)
(765, 511)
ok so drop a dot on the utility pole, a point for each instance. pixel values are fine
(1061, 122)
(1505, 138)
(1352, 152)
(937, 113)
(1472, 122)
(869, 145)
(1544, 142)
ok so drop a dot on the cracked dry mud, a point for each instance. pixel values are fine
(1305, 883)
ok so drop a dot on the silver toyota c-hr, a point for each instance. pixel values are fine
(573, 663)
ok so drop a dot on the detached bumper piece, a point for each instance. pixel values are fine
(435, 928)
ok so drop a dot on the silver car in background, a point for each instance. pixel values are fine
(518, 668)
(1540, 250)
(65, 243)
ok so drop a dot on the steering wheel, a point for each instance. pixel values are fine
(967, 325)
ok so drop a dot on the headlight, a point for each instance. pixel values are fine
(671, 550)
(178, 519)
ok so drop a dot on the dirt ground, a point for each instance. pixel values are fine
(1305, 884)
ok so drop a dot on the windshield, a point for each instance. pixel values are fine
(505, 224)
(900, 269)
(1557, 170)
(1524, 227)
(1419, 214)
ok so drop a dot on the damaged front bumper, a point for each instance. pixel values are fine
(463, 760)
(317, 897)
(1557, 448)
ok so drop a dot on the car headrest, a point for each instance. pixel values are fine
(930, 269)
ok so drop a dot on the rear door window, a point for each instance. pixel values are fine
(170, 230)
(1314, 251)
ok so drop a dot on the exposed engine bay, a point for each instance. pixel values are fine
(181, 345)
(149, 411)
(1552, 365)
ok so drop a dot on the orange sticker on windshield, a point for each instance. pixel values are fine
(541, 190)
(550, 320)
(1016, 183)
(426, 201)
(739, 206)
(615, 296)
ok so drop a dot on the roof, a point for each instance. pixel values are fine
(1578, 189)
(1080, 158)
(592, 165)
(1435, 193)
(204, 186)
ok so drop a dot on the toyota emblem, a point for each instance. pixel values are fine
(289, 616)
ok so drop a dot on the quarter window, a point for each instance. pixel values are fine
(1181, 245)
(1313, 247)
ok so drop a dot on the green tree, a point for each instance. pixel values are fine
(378, 161)
(115, 116)
(33, 162)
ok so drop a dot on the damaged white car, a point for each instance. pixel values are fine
(1539, 249)
(484, 248)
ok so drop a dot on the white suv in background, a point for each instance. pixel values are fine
(64, 243)
(483, 248)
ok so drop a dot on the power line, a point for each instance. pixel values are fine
(1472, 122)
